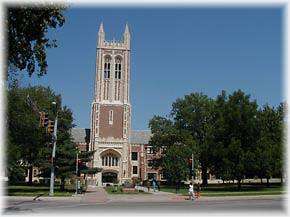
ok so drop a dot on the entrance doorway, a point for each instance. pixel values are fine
(109, 177)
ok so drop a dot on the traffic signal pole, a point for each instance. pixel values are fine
(77, 162)
(51, 189)
(192, 167)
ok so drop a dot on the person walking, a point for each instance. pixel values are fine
(198, 189)
(148, 185)
(190, 192)
(154, 184)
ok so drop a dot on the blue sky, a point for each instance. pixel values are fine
(175, 51)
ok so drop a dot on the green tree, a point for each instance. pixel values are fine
(85, 158)
(268, 123)
(237, 135)
(195, 114)
(65, 150)
(27, 29)
(173, 149)
(279, 145)
(27, 142)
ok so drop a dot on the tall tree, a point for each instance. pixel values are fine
(27, 142)
(195, 114)
(65, 151)
(239, 134)
(27, 29)
(172, 147)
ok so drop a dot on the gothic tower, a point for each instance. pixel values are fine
(111, 109)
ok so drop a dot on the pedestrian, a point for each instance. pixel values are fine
(154, 184)
(190, 192)
(148, 185)
(198, 189)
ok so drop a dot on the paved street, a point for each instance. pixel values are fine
(97, 199)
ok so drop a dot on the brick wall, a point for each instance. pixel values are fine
(114, 130)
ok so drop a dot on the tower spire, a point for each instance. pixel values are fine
(127, 32)
(101, 35)
(101, 28)
(127, 36)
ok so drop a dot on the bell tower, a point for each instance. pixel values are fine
(111, 108)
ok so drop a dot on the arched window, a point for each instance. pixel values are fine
(107, 67)
(118, 68)
(110, 160)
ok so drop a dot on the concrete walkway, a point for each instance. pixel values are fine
(95, 195)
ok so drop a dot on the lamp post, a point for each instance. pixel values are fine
(192, 167)
(77, 159)
(51, 189)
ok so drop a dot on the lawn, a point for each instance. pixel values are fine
(34, 190)
(231, 190)
(118, 190)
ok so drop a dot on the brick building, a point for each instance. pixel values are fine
(141, 152)
(122, 153)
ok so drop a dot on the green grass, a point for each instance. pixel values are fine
(231, 190)
(118, 190)
(34, 190)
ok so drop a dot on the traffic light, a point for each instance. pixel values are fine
(50, 126)
(43, 119)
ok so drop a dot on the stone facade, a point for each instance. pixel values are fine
(139, 148)
(120, 152)
(111, 109)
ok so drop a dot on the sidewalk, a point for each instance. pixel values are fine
(217, 198)
(95, 195)
(160, 196)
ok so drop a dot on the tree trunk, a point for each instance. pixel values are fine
(239, 184)
(62, 184)
(204, 175)
(268, 183)
(281, 179)
(30, 175)
(261, 178)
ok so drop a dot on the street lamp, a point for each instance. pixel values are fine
(77, 159)
(54, 137)
(192, 167)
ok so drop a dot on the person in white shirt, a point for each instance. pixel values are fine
(190, 192)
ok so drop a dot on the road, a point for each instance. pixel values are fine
(275, 205)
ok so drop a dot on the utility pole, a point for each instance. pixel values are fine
(77, 167)
(51, 189)
(192, 167)
(54, 138)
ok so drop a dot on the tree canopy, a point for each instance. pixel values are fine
(29, 145)
(229, 136)
(28, 38)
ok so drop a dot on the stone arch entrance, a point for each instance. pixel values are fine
(110, 177)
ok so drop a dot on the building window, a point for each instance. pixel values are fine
(110, 160)
(150, 163)
(135, 170)
(151, 175)
(118, 68)
(162, 175)
(107, 67)
(111, 117)
(134, 156)
(149, 150)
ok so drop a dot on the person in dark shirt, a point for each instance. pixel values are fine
(198, 189)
